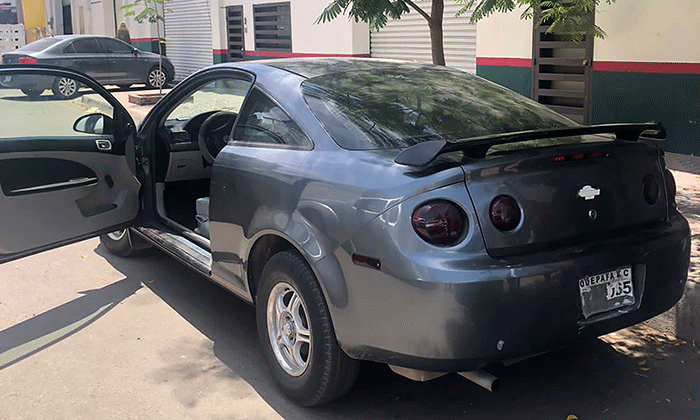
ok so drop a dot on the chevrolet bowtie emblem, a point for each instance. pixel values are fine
(588, 192)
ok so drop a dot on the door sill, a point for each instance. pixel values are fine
(180, 247)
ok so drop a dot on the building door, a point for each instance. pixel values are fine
(234, 27)
(408, 38)
(67, 20)
(561, 77)
(188, 36)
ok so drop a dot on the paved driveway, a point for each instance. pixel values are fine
(86, 335)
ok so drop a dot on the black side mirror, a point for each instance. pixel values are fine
(94, 124)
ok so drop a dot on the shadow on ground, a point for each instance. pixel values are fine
(635, 374)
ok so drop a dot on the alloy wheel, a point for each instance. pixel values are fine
(156, 78)
(117, 234)
(289, 329)
(67, 87)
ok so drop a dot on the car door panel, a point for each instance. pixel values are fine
(55, 189)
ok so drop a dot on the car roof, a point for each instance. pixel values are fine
(314, 67)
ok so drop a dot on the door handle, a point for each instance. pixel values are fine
(585, 63)
(103, 145)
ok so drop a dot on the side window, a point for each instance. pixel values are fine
(114, 46)
(86, 46)
(262, 121)
(218, 95)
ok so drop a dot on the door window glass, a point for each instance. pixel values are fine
(37, 105)
(262, 121)
(85, 46)
(114, 46)
(218, 95)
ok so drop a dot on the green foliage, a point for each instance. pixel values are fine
(374, 12)
(570, 17)
(145, 10)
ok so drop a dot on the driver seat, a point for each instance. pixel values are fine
(202, 207)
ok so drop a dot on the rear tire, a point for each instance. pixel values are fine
(297, 335)
(118, 243)
(33, 93)
(65, 88)
(157, 78)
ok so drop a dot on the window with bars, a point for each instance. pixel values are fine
(272, 23)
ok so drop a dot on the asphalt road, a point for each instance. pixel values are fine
(86, 335)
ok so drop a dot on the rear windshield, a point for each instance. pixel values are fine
(405, 105)
(40, 45)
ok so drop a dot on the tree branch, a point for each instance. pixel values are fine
(419, 10)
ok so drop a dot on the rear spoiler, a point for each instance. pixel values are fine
(423, 153)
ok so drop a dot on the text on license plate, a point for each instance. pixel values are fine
(606, 291)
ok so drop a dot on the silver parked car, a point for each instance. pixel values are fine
(406, 214)
(108, 60)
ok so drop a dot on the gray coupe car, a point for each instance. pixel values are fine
(108, 60)
(400, 213)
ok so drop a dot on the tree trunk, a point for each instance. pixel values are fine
(435, 25)
(160, 54)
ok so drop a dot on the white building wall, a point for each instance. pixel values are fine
(649, 31)
(341, 36)
(504, 35)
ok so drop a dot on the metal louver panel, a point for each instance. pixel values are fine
(188, 36)
(408, 38)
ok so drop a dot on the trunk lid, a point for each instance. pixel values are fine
(580, 198)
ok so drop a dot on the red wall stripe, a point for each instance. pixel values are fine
(504, 62)
(143, 39)
(647, 67)
(616, 66)
(291, 55)
(220, 51)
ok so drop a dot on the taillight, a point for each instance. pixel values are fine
(27, 60)
(670, 186)
(652, 189)
(505, 213)
(439, 222)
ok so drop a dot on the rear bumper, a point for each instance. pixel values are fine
(447, 312)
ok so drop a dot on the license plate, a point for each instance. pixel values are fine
(605, 291)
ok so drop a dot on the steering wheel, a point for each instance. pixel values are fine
(213, 134)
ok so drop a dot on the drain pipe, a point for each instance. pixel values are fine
(482, 378)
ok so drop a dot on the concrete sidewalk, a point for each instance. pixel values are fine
(138, 112)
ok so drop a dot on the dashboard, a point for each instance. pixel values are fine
(185, 161)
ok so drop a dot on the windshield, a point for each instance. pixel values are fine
(40, 45)
(399, 107)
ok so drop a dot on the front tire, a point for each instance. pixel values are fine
(297, 335)
(65, 88)
(157, 78)
(118, 243)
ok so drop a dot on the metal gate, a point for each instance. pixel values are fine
(408, 38)
(188, 36)
(234, 31)
(561, 77)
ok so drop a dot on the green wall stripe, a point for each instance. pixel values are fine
(672, 99)
(518, 79)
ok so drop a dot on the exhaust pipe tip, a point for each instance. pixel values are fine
(483, 379)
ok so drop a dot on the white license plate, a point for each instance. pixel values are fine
(605, 291)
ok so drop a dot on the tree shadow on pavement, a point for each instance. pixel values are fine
(592, 380)
(48, 328)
